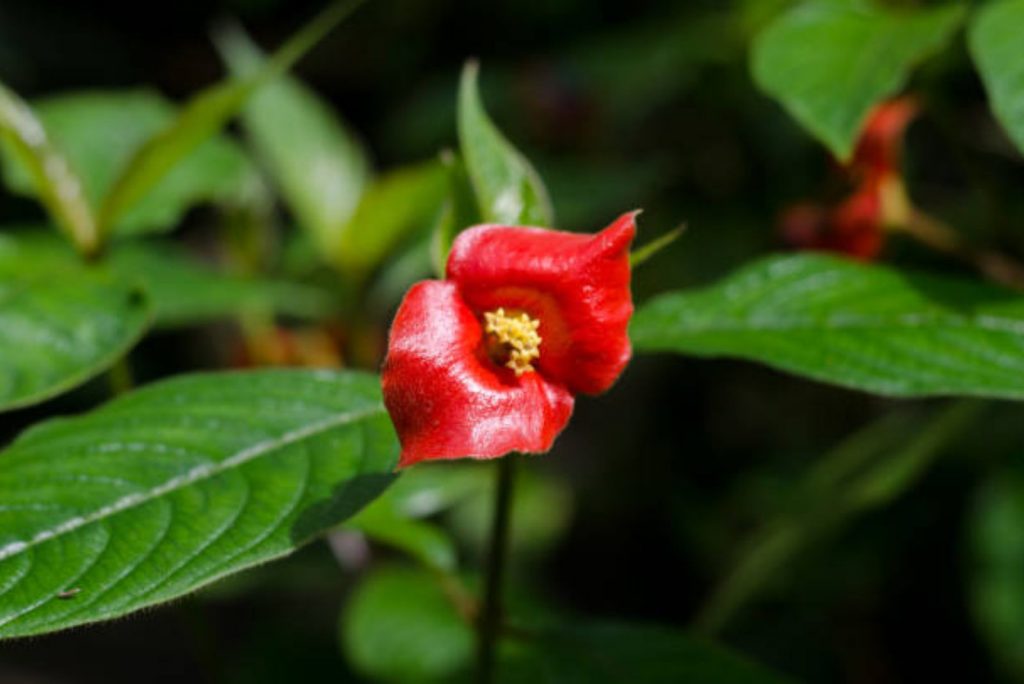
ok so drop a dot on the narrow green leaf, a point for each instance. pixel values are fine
(60, 326)
(397, 205)
(830, 61)
(205, 115)
(642, 254)
(995, 42)
(316, 161)
(864, 327)
(508, 189)
(458, 212)
(58, 187)
(173, 486)
(99, 131)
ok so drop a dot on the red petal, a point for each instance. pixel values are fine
(576, 285)
(447, 399)
(880, 144)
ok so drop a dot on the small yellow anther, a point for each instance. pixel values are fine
(516, 340)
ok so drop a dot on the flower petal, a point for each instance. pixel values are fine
(576, 285)
(447, 399)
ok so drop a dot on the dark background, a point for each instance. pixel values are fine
(620, 105)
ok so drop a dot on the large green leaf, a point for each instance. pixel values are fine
(59, 189)
(865, 327)
(508, 189)
(99, 131)
(171, 487)
(204, 116)
(315, 160)
(404, 626)
(995, 42)
(60, 326)
(830, 61)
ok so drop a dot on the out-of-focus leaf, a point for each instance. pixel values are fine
(859, 326)
(99, 131)
(315, 160)
(996, 569)
(508, 189)
(457, 213)
(995, 42)
(205, 115)
(395, 206)
(830, 61)
(399, 626)
(180, 289)
(173, 486)
(869, 470)
(596, 652)
(541, 512)
(59, 189)
(60, 325)
(394, 518)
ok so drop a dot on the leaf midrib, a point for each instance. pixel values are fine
(193, 476)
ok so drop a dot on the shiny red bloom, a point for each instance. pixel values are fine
(487, 361)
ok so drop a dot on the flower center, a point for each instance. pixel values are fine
(512, 339)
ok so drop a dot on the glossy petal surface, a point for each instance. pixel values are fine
(447, 399)
(576, 285)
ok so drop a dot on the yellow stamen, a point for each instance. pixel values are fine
(516, 338)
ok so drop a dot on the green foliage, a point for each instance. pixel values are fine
(100, 131)
(173, 486)
(508, 189)
(315, 160)
(60, 326)
(830, 61)
(868, 470)
(996, 542)
(458, 212)
(400, 626)
(864, 327)
(994, 35)
(398, 204)
(47, 170)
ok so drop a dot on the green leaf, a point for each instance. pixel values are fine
(57, 186)
(994, 39)
(399, 626)
(864, 327)
(204, 116)
(869, 470)
(184, 291)
(830, 61)
(100, 131)
(457, 213)
(180, 289)
(508, 189)
(394, 207)
(171, 487)
(60, 326)
(600, 652)
(404, 626)
(316, 161)
(996, 567)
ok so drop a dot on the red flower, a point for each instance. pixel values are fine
(487, 361)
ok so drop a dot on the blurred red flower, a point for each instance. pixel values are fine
(487, 361)
(856, 225)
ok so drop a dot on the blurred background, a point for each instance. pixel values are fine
(691, 494)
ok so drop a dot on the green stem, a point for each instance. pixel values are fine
(489, 625)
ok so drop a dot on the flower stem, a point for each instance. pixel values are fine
(490, 619)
